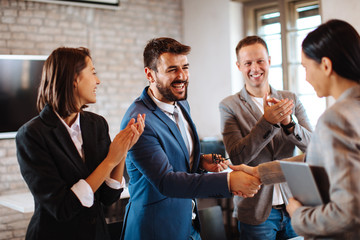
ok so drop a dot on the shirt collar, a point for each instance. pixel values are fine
(165, 107)
(75, 127)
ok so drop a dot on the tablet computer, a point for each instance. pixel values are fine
(308, 184)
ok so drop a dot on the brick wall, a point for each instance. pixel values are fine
(116, 39)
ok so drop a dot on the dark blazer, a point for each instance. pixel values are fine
(50, 164)
(161, 183)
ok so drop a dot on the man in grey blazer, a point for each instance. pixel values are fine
(258, 126)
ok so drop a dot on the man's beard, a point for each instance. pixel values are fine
(168, 94)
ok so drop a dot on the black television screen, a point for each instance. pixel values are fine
(109, 4)
(19, 81)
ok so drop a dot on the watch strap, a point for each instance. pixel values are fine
(290, 125)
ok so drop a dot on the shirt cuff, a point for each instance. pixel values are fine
(84, 193)
(114, 184)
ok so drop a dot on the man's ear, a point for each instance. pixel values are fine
(149, 73)
(326, 65)
(238, 65)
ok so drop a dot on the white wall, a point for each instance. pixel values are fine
(347, 10)
(211, 28)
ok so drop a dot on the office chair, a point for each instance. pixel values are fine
(212, 223)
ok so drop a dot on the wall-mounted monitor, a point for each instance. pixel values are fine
(20, 77)
(110, 4)
(104, 2)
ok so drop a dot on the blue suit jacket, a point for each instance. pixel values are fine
(161, 183)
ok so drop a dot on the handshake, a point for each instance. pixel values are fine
(244, 180)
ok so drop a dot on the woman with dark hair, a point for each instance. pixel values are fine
(331, 58)
(66, 156)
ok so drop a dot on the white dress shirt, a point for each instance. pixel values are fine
(82, 189)
(168, 109)
(277, 198)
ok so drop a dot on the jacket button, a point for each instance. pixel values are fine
(267, 134)
(298, 137)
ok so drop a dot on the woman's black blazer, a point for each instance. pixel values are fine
(51, 165)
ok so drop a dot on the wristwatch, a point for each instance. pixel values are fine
(287, 126)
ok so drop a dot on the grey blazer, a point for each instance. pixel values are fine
(335, 145)
(251, 140)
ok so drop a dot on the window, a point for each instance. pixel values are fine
(269, 28)
(283, 24)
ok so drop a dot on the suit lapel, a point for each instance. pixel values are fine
(173, 129)
(67, 144)
(88, 136)
(63, 138)
(254, 110)
(168, 122)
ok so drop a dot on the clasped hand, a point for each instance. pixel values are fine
(241, 183)
(254, 171)
(244, 180)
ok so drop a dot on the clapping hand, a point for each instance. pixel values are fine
(126, 138)
(277, 111)
(137, 129)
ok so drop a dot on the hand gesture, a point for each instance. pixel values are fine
(244, 184)
(125, 139)
(277, 111)
(138, 129)
(254, 171)
(213, 162)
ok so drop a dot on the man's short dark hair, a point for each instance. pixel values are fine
(250, 40)
(157, 46)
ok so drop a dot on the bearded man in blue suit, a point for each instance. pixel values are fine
(165, 168)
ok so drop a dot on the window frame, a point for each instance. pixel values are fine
(286, 21)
